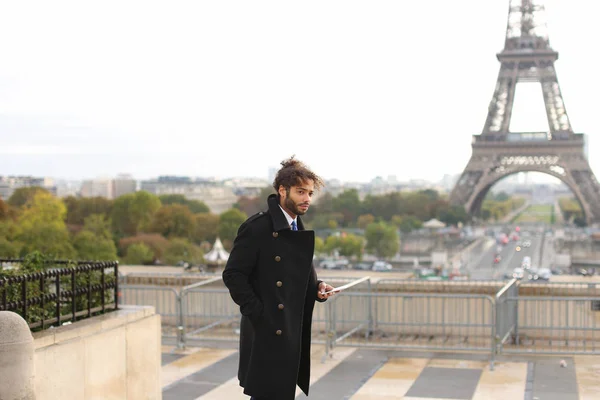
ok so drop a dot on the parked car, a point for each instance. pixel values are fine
(518, 273)
(362, 266)
(381, 266)
(334, 264)
(544, 274)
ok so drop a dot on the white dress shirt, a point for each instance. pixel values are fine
(288, 217)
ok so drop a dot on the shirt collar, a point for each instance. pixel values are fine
(288, 217)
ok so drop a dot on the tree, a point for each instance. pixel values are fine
(42, 227)
(174, 221)
(138, 254)
(79, 209)
(182, 250)
(207, 227)
(22, 195)
(250, 205)
(453, 215)
(326, 221)
(418, 204)
(410, 223)
(4, 211)
(331, 244)
(351, 246)
(133, 213)
(90, 246)
(348, 204)
(382, 239)
(319, 245)
(195, 206)
(9, 249)
(98, 225)
(155, 242)
(229, 223)
(364, 220)
(397, 221)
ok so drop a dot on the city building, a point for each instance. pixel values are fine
(101, 187)
(215, 195)
(8, 184)
(124, 184)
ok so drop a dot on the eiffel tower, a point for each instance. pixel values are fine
(497, 152)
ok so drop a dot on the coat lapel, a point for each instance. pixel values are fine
(279, 221)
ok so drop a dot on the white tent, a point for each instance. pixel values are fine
(434, 223)
(217, 255)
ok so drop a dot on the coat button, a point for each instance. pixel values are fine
(280, 306)
(275, 234)
(277, 258)
(279, 284)
(278, 332)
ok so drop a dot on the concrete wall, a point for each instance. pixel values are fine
(112, 356)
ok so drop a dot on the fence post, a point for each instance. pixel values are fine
(328, 331)
(180, 321)
(371, 329)
(494, 324)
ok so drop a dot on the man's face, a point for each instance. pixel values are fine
(297, 200)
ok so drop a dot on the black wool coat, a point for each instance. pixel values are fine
(270, 275)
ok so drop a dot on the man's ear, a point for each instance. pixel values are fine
(281, 190)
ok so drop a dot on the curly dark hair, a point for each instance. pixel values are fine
(294, 172)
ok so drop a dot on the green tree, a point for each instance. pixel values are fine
(418, 204)
(229, 223)
(22, 195)
(348, 204)
(364, 220)
(332, 243)
(319, 245)
(133, 213)
(174, 220)
(90, 246)
(207, 227)
(382, 239)
(99, 225)
(452, 215)
(138, 254)
(4, 211)
(396, 221)
(42, 227)
(195, 206)
(327, 221)
(79, 209)
(250, 205)
(154, 241)
(9, 249)
(410, 223)
(351, 246)
(182, 250)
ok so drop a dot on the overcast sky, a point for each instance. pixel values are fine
(356, 89)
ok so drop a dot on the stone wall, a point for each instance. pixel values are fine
(112, 356)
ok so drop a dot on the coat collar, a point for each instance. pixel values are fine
(279, 220)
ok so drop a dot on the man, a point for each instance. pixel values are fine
(270, 275)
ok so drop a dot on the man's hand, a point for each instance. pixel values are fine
(324, 287)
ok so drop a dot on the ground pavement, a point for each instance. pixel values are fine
(198, 373)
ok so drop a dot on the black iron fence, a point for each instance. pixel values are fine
(58, 291)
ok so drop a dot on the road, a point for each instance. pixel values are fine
(485, 268)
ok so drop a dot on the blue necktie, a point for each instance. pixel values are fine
(294, 227)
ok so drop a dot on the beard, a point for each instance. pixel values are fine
(293, 207)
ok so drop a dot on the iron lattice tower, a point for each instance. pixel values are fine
(496, 153)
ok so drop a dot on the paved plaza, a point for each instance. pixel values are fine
(361, 374)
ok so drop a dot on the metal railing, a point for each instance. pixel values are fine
(54, 296)
(555, 325)
(492, 317)
(506, 312)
